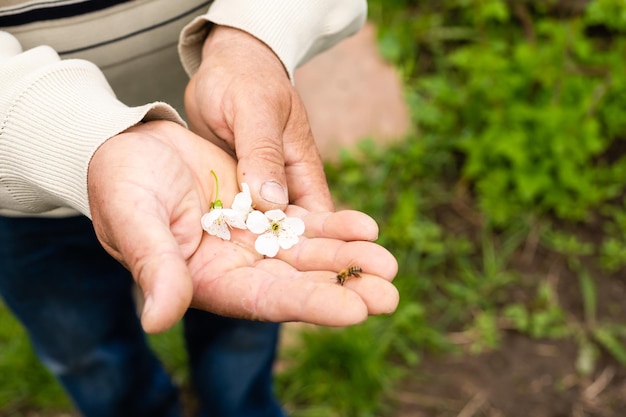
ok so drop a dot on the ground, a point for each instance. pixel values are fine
(524, 378)
(350, 94)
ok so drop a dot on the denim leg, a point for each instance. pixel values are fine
(231, 365)
(76, 303)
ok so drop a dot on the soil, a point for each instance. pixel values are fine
(350, 94)
(523, 378)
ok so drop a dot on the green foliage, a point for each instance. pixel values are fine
(25, 385)
(518, 109)
(543, 318)
(485, 332)
(345, 368)
(532, 109)
(609, 13)
(612, 251)
(611, 337)
(170, 348)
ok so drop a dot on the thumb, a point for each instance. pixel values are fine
(143, 220)
(159, 268)
(278, 157)
(261, 162)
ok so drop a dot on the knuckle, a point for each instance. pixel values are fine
(267, 150)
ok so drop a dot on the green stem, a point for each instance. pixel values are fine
(217, 203)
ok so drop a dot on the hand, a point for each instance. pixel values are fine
(148, 188)
(242, 99)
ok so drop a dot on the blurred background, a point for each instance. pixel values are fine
(488, 139)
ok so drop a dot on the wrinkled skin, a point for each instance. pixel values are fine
(148, 188)
(242, 99)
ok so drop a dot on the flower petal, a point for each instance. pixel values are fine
(217, 227)
(220, 230)
(267, 244)
(294, 224)
(209, 218)
(286, 239)
(234, 218)
(275, 215)
(243, 200)
(257, 222)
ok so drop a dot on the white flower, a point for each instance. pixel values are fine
(243, 201)
(276, 231)
(219, 221)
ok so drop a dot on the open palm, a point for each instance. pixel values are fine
(148, 188)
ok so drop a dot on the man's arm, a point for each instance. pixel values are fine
(54, 115)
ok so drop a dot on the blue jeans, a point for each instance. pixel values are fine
(76, 303)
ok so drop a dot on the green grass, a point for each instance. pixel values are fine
(25, 385)
(337, 364)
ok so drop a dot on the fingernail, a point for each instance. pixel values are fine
(273, 192)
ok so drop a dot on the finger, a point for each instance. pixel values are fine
(159, 267)
(167, 289)
(379, 295)
(336, 255)
(307, 182)
(343, 225)
(329, 253)
(307, 185)
(150, 224)
(274, 291)
(258, 128)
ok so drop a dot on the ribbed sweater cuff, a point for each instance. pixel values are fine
(296, 30)
(54, 119)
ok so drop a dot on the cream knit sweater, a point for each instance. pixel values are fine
(102, 72)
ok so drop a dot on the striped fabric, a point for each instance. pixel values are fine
(15, 13)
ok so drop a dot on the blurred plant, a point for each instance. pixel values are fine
(518, 116)
(530, 103)
(25, 384)
(170, 348)
(346, 368)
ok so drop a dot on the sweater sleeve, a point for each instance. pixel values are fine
(54, 114)
(296, 30)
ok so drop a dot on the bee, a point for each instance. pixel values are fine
(344, 274)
